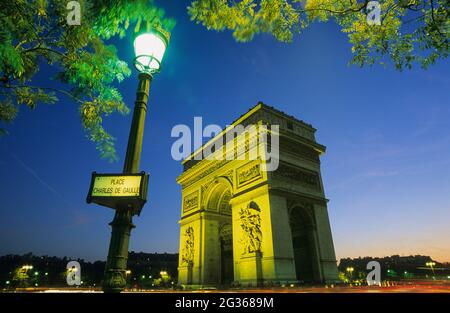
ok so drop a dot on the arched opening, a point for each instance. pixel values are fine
(219, 198)
(304, 244)
(219, 202)
(226, 255)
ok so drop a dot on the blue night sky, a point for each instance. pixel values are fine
(386, 170)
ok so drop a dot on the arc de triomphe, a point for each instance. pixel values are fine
(245, 226)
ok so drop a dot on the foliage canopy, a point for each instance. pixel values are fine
(35, 32)
(410, 30)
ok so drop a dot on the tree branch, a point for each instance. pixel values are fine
(46, 49)
(68, 94)
(354, 10)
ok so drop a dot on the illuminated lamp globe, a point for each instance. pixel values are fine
(149, 48)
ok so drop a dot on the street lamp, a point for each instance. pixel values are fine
(149, 48)
(431, 264)
(350, 271)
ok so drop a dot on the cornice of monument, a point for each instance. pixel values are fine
(200, 170)
(259, 106)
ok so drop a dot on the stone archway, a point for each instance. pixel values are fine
(232, 209)
(304, 243)
(218, 197)
(226, 254)
(212, 263)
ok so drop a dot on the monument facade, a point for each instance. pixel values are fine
(242, 225)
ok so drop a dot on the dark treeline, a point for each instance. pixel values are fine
(146, 270)
(159, 270)
(397, 267)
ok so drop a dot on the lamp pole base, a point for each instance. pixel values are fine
(114, 280)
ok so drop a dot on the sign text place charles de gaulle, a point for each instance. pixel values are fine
(119, 191)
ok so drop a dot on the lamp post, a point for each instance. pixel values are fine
(431, 264)
(149, 48)
(350, 271)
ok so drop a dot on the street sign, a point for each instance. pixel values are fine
(119, 191)
(116, 186)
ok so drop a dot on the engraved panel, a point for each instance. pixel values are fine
(248, 173)
(190, 202)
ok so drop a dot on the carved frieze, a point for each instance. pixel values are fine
(304, 177)
(214, 165)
